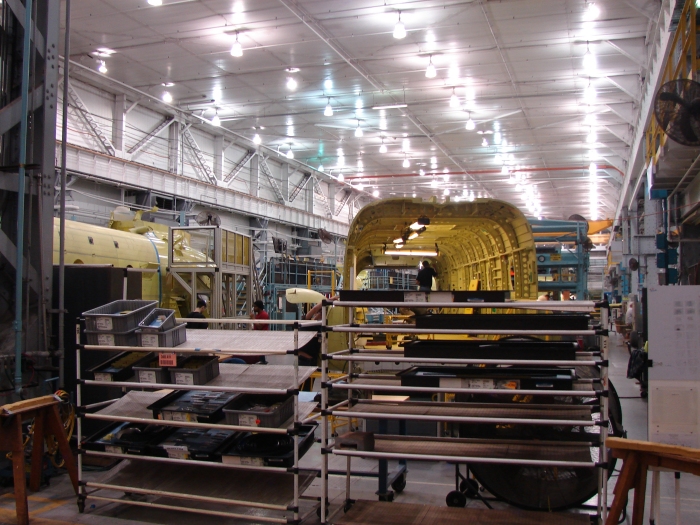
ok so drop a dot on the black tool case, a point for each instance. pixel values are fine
(572, 322)
(511, 378)
(483, 349)
(269, 450)
(128, 438)
(199, 444)
(200, 406)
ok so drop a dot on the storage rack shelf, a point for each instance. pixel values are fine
(574, 454)
(221, 489)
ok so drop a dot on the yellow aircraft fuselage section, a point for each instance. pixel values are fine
(486, 240)
(89, 244)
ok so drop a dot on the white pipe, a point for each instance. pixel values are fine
(167, 386)
(466, 419)
(188, 424)
(432, 360)
(427, 331)
(434, 390)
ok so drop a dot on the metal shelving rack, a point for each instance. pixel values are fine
(128, 477)
(349, 382)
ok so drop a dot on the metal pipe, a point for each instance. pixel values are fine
(389, 359)
(188, 387)
(427, 331)
(555, 306)
(62, 212)
(23, 131)
(433, 390)
(464, 459)
(180, 495)
(188, 424)
(465, 419)
(197, 510)
(186, 350)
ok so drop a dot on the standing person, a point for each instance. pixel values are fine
(629, 321)
(198, 313)
(259, 313)
(424, 279)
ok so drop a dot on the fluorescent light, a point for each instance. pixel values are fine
(167, 97)
(257, 139)
(399, 29)
(155, 2)
(592, 12)
(328, 112)
(236, 48)
(291, 84)
(431, 72)
(392, 106)
(471, 124)
(412, 253)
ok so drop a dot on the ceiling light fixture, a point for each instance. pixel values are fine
(328, 84)
(236, 48)
(406, 163)
(592, 11)
(391, 106)
(216, 121)
(291, 84)
(155, 2)
(421, 173)
(471, 125)
(590, 93)
(375, 193)
(341, 177)
(421, 223)
(485, 143)
(103, 67)
(434, 183)
(360, 186)
(358, 130)
(383, 148)
(446, 192)
(290, 153)
(328, 112)
(497, 137)
(454, 100)
(399, 29)
(412, 253)
(322, 169)
(256, 139)
(167, 97)
(430, 72)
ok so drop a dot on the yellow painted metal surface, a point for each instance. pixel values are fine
(481, 240)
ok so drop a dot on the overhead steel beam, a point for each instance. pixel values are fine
(200, 164)
(271, 179)
(343, 201)
(324, 199)
(299, 187)
(92, 124)
(11, 114)
(145, 141)
(239, 166)
(87, 164)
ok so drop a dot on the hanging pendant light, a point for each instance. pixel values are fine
(328, 112)
(399, 29)
(431, 72)
(236, 48)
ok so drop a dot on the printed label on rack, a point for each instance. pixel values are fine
(177, 416)
(167, 359)
(414, 297)
(247, 420)
(147, 376)
(184, 379)
(177, 452)
(456, 382)
(102, 377)
(103, 323)
(149, 340)
(105, 339)
(111, 449)
(241, 460)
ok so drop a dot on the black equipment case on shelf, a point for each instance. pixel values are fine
(128, 438)
(269, 450)
(498, 321)
(488, 378)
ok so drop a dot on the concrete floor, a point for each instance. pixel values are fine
(427, 483)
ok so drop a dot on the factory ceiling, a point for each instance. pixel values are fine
(509, 99)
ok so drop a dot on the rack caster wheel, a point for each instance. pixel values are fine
(469, 487)
(456, 499)
(399, 484)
